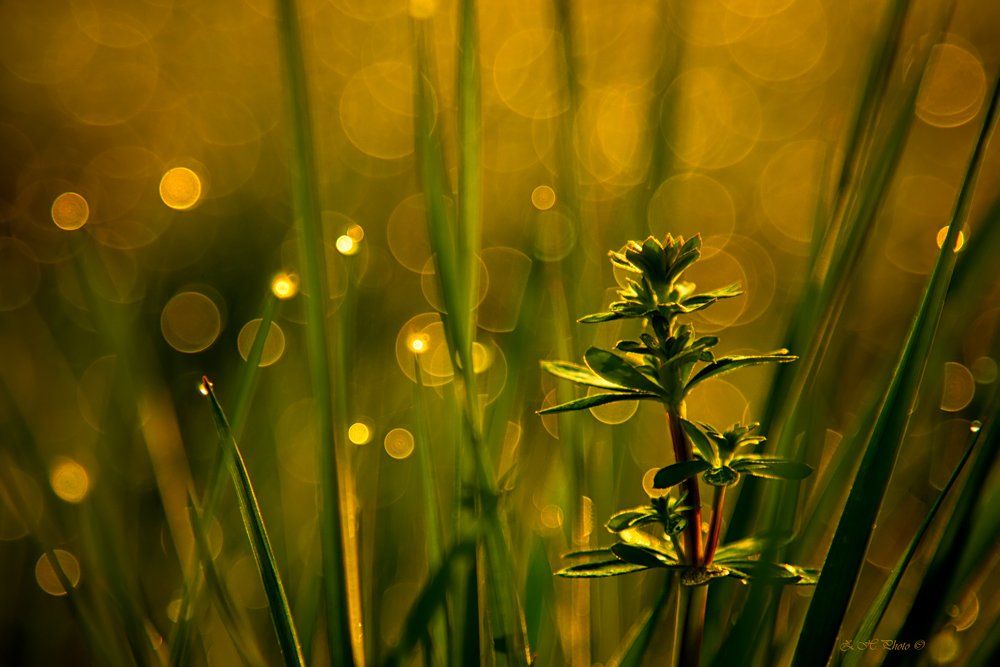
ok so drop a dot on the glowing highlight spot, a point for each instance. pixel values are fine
(45, 573)
(359, 433)
(70, 211)
(180, 188)
(69, 480)
(418, 342)
(285, 285)
(399, 443)
(346, 245)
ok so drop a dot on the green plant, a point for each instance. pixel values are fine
(665, 363)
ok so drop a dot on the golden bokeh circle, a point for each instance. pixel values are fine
(691, 203)
(376, 110)
(45, 573)
(954, 88)
(958, 387)
(359, 433)
(180, 188)
(69, 480)
(70, 211)
(399, 443)
(543, 197)
(274, 342)
(190, 322)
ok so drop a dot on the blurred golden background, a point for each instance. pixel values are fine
(150, 136)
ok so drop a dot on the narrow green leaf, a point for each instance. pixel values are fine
(877, 609)
(771, 467)
(617, 370)
(630, 518)
(579, 374)
(701, 442)
(607, 568)
(850, 542)
(636, 555)
(596, 318)
(729, 364)
(253, 522)
(584, 553)
(675, 473)
(595, 400)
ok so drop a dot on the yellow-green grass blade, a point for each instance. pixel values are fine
(438, 625)
(189, 608)
(878, 607)
(506, 616)
(470, 213)
(305, 196)
(253, 522)
(843, 562)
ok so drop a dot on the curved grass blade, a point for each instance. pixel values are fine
(281, 614)
(877, 610)
(850, 542)
(641, 635)
(189, 608)
(938, 583)
(305, 195)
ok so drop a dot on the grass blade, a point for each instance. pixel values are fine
(281, 614)
(938, 583)
(843, 562)
(641, 635)
(311, 254)
(189, 609)
(877, 610)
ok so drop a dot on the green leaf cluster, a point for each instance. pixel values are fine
(660, 364)
(722, 457)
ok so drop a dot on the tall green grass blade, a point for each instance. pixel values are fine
(843, 562)
(877, 610)
(311, 255)
(469, 162)
(506, 616)
(939, 581)
(253, 522)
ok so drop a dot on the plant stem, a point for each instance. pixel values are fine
(694, 624)
(697, 596)
(682, 452)
(715, 525)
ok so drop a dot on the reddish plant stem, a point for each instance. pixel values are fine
(715, 525)
(682, 452)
